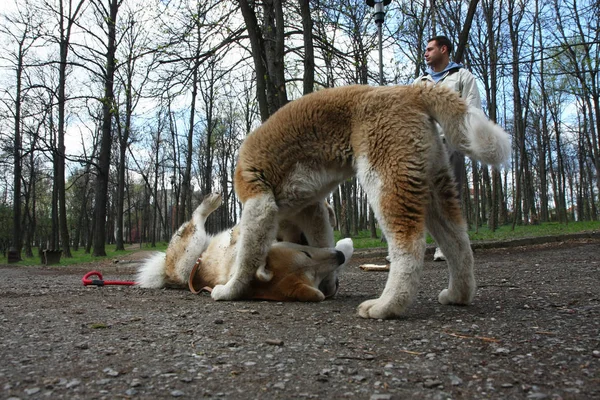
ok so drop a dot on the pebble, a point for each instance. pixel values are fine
(455, 380)
(380, 396)
(431, 383)
(177, 393)
(537, 396)
(596, 353)
(279, 385)
(73, 383)
(135, 383)
(131, 392)
(32, 391)
(219, 321)
(110, 372)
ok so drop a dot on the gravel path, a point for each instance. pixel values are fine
(533, 332)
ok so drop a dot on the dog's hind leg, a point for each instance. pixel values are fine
(445, 223)
(258, 231)
(209, 204)
(315, 223)
(398, 199)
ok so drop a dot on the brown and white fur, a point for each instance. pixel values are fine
(387, 137)
(292, 272)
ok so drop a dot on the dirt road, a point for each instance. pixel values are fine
(533, 332)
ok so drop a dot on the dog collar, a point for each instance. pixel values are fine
(193, 274)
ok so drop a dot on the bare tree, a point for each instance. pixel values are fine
(23, 29)
(267, 45)
(108, 12)
(135, 43)
(67, 14)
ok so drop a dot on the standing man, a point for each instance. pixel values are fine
(442, 71)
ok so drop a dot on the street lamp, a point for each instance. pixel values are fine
(379, 16)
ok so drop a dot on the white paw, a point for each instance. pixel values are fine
(444, 297)
(379, 309)
(213, 200)
(233, 290)
(345, 246)
(447, 297)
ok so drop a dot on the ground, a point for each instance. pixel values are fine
(532, 332)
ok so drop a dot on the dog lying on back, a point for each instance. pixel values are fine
(292, 271)
(387, 138)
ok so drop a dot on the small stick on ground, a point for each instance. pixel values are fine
(374, 267)
(484, 338)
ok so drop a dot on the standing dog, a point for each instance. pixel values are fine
(387, 137)
(292, 272)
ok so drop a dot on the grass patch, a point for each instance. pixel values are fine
(80, 257)
(364, 241)
(526, 231)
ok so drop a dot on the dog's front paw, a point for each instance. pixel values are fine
(232, 290)
(447, 297)
(379, 309)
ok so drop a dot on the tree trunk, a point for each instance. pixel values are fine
(267, 54)
(17, 242)
(59, 152)
(476, 186)
(187, 175)
(101, 199)
(513, 23)
(124, 133)
(309, 53)
(464, 33)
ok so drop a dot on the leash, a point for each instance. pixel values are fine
(193, 274)
(101, 282)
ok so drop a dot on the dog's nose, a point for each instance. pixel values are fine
(341, 258)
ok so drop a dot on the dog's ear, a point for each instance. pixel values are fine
(304, 292)
(297, 288)
(290, 288)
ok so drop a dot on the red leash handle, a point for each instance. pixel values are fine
(101, 282)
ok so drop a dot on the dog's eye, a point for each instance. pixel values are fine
(307, 254)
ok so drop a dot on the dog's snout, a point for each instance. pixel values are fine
(341, 258)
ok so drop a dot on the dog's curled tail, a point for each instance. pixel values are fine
(466, 127)
(151, 274)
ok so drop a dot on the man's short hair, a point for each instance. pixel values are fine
(443, 41)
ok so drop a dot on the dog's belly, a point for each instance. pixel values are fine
(218, 259)
(308, 185)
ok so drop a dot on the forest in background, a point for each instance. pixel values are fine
(117, 116)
